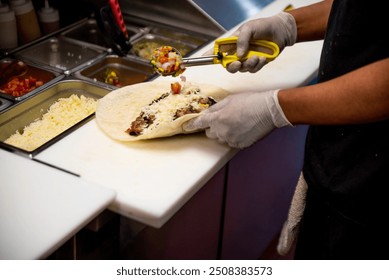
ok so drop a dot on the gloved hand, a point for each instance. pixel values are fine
(241, 119)
(280, 28)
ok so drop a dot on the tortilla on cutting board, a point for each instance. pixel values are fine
(117, 111)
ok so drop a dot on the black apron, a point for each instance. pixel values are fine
(347, 166)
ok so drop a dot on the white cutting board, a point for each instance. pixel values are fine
(152, 179)
(42, 207)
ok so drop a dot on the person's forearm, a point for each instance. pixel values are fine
(312, 20)
(360, 96)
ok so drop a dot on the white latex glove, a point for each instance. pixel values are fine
(241, 119)
(280, 29)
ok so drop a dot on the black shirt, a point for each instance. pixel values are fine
(348, 165)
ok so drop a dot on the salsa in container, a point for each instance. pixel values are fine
(22, 85)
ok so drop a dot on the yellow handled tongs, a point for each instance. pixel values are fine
(167, 60)
(224, 52)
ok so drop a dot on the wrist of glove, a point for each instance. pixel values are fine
(280, 29)
(240, 120)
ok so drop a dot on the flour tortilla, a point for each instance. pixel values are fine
(117, 110)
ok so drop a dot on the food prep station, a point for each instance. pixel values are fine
(79, 59)
(105, 181)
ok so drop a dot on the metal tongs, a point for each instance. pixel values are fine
(224, 53)
(111, 23)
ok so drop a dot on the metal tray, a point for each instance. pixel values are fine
(4, 104)
(144, 46)
(129, 71)
(26, 112)
(60, 54)
(188, 38)
(48, 78)
(88, 31)
(156, 35)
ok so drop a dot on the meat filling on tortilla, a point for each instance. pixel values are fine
(191, 103)
(154, 109)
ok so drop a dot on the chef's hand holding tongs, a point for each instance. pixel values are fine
(242, 119)
(280, 29)
(254, 44)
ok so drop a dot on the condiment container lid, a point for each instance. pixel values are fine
(6, 14)
(22, 7)
(48, 14)
(4, 8)
(16, 2)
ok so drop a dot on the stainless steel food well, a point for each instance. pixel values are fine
(184, 15)
(48, 77)
(128, 71)
(60, 54)
(144, 46)
(18, 117)
(88, 31)
(4, 104)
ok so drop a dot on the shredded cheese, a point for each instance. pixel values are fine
(165, 109)
(61, 115)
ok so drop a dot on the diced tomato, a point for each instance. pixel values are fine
(163, 59)
(20, 86)
(175, 87)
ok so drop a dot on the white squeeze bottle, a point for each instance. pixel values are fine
(8, 30)
(26, 21)
(48, 18)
